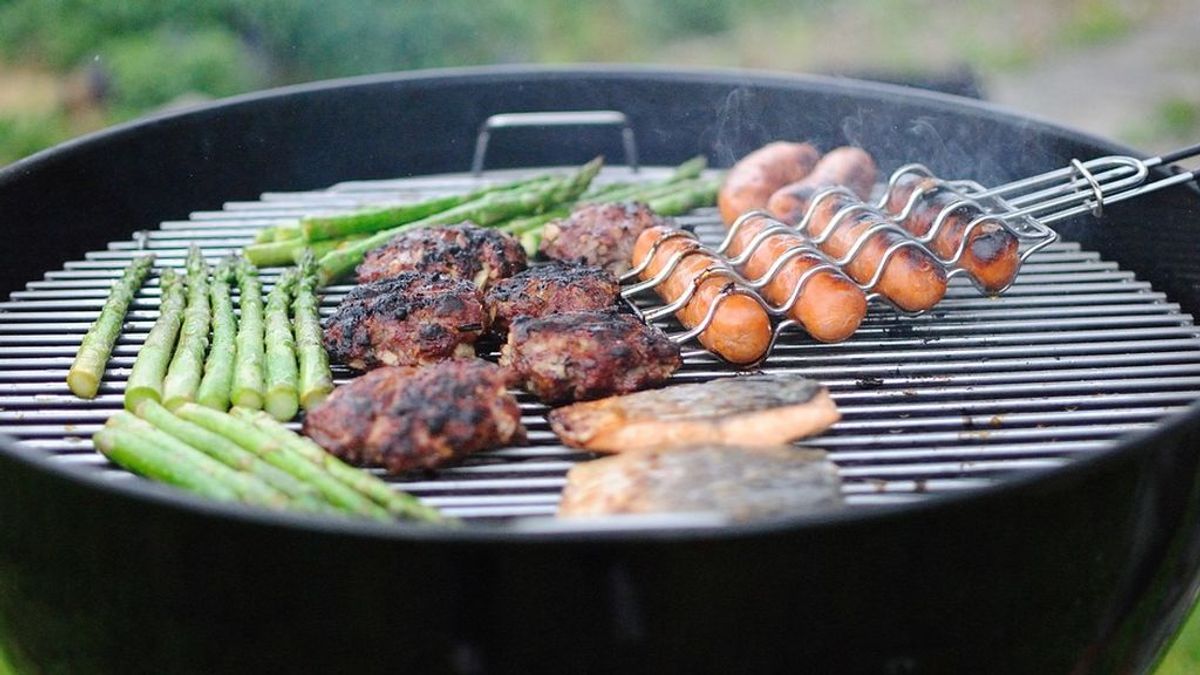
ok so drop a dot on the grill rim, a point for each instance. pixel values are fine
(1128, 447)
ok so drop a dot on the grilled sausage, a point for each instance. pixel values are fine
(991, 253)
(830, 307)
(848, 166)
(740, 331)
(752, 181)
(912, 279)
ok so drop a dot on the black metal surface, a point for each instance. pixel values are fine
(1082, 569)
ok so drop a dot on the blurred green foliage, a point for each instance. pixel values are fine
(130, 56)
(24, 134)
(150, 69)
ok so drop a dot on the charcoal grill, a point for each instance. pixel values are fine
(1028, 455)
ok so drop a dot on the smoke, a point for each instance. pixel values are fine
(738, 122)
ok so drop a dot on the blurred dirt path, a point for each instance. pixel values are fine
(1116, 89)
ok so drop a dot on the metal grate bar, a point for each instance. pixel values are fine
(1077, 353)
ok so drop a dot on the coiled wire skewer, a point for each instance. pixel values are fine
(1024, 208)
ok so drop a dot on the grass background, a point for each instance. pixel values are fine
(72, 66)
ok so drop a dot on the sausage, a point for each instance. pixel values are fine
(848, 166)
(912, 279)
(990, 256)
(830, 307)
(752, 181)
(741, 329)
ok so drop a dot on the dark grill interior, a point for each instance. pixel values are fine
(1076, 354)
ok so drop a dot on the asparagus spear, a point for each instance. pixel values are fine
(187, 365)
(286, 232)
(399, 504)
(526, 223)
(688, 170)
(273, 253)
(484, 211)
(691, 168)
(597, 193)
(316, 381)
(302, 495)
(271, 450)
(248, 374)
(283, 398)
(266, 234)
(320, 228)
(148, 458)
(146, 379)
(248, 487)
(703, 193)
(320, 248)
(218, 369)
(531, 241)
(88, 368)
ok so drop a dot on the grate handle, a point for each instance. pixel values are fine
(570, 118)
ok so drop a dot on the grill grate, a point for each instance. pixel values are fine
(1075, 354)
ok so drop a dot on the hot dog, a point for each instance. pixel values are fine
(848, 166)
(912, 279)
(829, 307)
(990, 256)
(752, 181)
(740, 331)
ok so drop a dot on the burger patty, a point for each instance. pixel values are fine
(411, 319)
(466, 251)
(553, 288)
(405, 418)
(589, 354)
(599, 234)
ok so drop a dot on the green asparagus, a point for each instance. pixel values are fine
(247, 487)
(703, 193)
(286, 232)
(187, 365)
(218, 369)
(531, 241)
(399, 504)
(273, 253)
(517, 226)
(302, 495)
(148, 458)
(320, 248)
(271, 450)
(146, 378)
(282, 377)
(321, 228)
(688, 170)
(88, 368)
(598, 193)
(248, 377)
(485, 211)
(316, 381)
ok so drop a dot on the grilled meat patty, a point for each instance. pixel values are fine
(599, 234)
(418, 418)
(550, 289)
(467, 251)
(411, 319)
(582, 355)
(754, 410)
(737, 481)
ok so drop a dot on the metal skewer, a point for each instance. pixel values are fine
(1024, 208)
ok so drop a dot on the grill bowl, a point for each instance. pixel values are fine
(133, 576)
